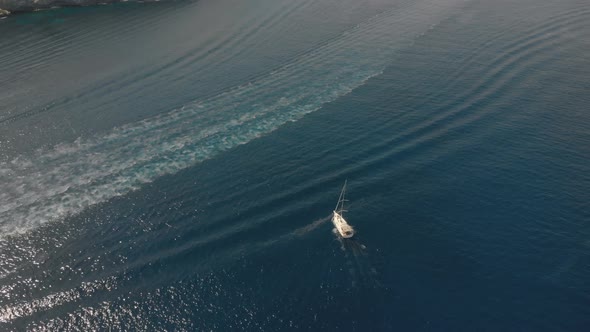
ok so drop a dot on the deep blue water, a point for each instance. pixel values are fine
(173, 166)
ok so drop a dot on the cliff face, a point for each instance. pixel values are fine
(7, 6)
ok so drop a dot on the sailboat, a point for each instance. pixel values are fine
(343, 228)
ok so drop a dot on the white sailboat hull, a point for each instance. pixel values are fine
(343, 228)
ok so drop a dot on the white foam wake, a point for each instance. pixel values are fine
(52, 184)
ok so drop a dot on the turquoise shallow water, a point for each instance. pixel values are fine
(172, 166)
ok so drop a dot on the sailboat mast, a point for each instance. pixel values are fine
(341, 199)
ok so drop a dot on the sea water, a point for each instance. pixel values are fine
(173, 166)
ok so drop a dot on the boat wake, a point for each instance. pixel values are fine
(55, 183)
(360, 268)
(312, 226)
